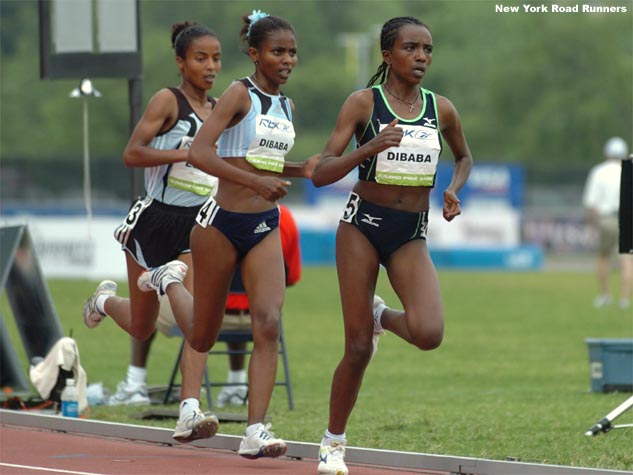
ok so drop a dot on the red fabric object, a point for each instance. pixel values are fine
(290, 245)
(237, 302)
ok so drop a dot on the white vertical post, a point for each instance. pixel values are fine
(87, 187)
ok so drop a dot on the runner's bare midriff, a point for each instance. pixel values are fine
(403, 198)
(242, 199)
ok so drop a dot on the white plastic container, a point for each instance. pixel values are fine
(70, 399)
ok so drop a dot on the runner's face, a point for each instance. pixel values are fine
(202, 62)
(412, 52)
(277, 56)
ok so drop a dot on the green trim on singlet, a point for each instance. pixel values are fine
(422, 109)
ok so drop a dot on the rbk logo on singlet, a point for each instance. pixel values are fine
(273, 123)
(416, 134)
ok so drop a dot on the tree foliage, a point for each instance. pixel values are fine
(544, 89)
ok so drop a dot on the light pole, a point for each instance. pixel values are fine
(85, 91)
(359, 51)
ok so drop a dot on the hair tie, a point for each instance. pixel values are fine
(254, 18)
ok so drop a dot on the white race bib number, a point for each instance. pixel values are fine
(207, 212)
(122, 233)
(351, 208)
(414, 161)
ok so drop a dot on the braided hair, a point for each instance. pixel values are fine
(182, 34)
(388, 36)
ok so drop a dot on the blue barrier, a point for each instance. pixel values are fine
(525, 257)
(318, 248)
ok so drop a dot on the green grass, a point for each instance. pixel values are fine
(510, 380)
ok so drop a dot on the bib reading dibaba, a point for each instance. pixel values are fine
(414, 161)
(274, 138)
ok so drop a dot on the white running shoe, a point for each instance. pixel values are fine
(232, 396)
(92, 316)
(332, 459)
(602, 301)
(160, 277)
(196, 425)
(379, 307)
(262, 443)
(129, 395)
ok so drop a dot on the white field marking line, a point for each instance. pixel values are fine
(53, 470)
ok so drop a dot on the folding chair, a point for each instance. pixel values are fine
(235, 336)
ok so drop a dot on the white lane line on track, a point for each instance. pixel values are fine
(50, 470)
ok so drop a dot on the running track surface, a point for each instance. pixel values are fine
(27, 451)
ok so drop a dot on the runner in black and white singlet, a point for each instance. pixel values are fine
(252, 125)
(157, 229)
(175, 192)
(399, 127)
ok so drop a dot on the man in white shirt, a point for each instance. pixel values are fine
(601, 199)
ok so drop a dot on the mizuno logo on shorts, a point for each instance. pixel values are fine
(372, 220)
(261, 228)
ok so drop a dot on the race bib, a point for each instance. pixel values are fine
(184, 176)
(414, 162)
(274, 137)
(122, 233)
(207, 212)
(351, 208)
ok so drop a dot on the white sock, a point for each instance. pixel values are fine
(253, 428)
(136, 375)
(100, 303)
(238, 376)
(189, 405)
(378, 311)
(328, 438)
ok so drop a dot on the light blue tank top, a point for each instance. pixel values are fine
(237, 140)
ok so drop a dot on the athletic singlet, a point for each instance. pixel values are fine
(265, 135)
(179, 184)
(414, 162)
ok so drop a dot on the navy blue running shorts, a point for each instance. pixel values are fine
(386, 229)
(244, 230)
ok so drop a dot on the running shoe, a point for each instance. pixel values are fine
(92, 316)
(379, 307)
(232, 396)
(262, 443)
(602, 301)
(128, 394)
(160, 277)
(196, 425)
(332, 459)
